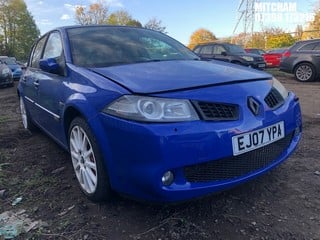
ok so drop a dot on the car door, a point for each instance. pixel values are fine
(205, 52)
(50, 87)
(28, 81)
(220, 53)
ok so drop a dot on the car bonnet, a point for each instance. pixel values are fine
(155, 77)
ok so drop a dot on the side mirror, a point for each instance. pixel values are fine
(23, 66)
(224, 53)
(49, 65)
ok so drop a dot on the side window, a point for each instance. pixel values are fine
(206, 49)
(197, 50)
(53, 48)
(317, 48)
(36, 53)
(218, 49)
(308, 47)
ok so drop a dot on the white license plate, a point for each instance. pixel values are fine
(252, 140)
(261, 65)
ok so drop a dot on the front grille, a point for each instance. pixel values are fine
(237, 166)
(273, 99)
(217, 111)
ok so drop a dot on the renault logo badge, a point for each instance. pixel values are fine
(253, 106)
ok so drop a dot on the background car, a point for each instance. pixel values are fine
(273, 57)
(229, 53)
(255, 51)
(5, 76)
(303, 60)
(141, 115)
(13, 65)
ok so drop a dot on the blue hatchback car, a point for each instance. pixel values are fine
(141, 115)
(13, 65)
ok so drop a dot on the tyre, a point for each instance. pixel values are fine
(87, 162)
(26, 120)
(305, 72)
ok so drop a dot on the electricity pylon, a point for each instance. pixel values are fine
(246, 15)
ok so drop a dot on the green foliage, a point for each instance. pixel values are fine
(257, 40)
(122, 18)
(279, 40)
(18, 30)
(201, 36)
(156, 25)
(270, 38)
(98, 13)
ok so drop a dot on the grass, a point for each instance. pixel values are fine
(3, 172)
(4, 119)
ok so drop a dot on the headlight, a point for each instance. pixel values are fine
(280, 88)
(152, 109)
(5, 71)
(247, 58)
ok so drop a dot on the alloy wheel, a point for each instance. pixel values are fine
(83, 160)
(304, 73)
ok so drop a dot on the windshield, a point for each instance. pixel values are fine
(103, 46)
(235, 49)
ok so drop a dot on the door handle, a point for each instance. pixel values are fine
(36, 83)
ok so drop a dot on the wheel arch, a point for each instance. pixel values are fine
(70, 113)
(78, 106)
(298, 63)
(75, 106)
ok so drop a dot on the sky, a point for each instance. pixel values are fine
(182, 17)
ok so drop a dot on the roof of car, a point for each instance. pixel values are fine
(309, 40)
(94, 26)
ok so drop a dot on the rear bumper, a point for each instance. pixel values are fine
(285, 67)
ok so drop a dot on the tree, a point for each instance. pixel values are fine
(298, 32)
(240, 39)
(257, 40)
(201, 36)
(278, 39)
(313, 28)
(18, 30)
(123, 18)
(156, 25)
(97, 13)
